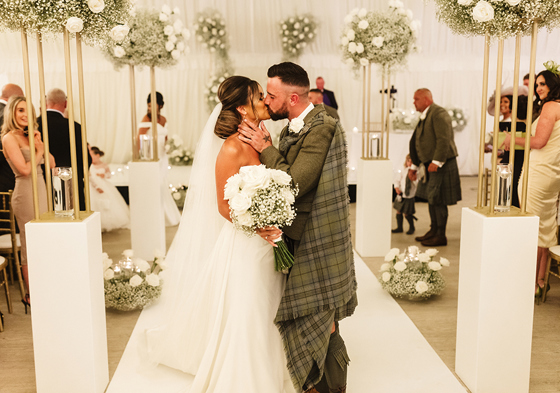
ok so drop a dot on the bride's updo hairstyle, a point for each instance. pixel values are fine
(234, 92)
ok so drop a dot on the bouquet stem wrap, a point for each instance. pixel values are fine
(283, 258)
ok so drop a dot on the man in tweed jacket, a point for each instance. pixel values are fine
(321, 286)
(432, 144)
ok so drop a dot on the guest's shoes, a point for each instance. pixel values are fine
(435, 241)
(427, 236)
(26, 302)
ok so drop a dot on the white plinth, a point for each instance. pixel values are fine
(68, 306)
(496, 300)
(147, 217)
(373, 207)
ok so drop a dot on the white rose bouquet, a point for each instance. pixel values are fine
(132, 282)
(296, 33)
(178, 155)
(212, 86)
(260, 197)
(412, 274)
(156, 38)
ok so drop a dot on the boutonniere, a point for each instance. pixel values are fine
(296, 125)
(423, 116)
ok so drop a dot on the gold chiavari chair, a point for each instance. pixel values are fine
(9, 240)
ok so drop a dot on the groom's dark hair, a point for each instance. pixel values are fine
(290, 74)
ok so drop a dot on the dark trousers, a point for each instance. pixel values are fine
(438, 218)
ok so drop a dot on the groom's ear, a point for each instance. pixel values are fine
(294, 99)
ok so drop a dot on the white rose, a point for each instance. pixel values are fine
(118, 51)
(109, 274)
(351, 34)
(386, 276)
(169, 46)
(152, 279)
(364, 61)
(400, 266)
(407, 120)
(297, 25)
(364, 24)
(178, 26)
(352, 47)
(180, 47)
(280, 177)
(104, 256)
(413, 250)
(362, 13)
(288, 196)
(158, 254)
(232, 187)
(254, 178)
(513, 3)
(240, 202)
(96, 6)
(391, 254)
(483, 11)
(415, 25)
(107, 263)
(74, 25)
(172, 38)
(311, 35)
(453, 124)
(348, 18)
(349, 61)
(360, 48)
(141, 264)
(344, 40)
(432, 252)
(354, 11)
(396, 4)
(423, 257)
(435, 266)
(444, 261)
(421, 287)
(386, 266)
(168, 30)
(401, 11)
(176, 54)
(301, 36)
(135, 280)
(409, 14)
(118, 33)
(378, 41)
(176, 11)
(459, 116)
(165, 9)
(221, 32)
(296, 125)
(465, 2)
(162, 264)
(128, 253)
(245, 219)
(305, 20)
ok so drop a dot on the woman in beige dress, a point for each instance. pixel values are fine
(544, 167)
(15, 141)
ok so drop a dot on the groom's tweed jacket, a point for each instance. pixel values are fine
(321, 286)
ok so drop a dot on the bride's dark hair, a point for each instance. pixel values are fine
(234, 92)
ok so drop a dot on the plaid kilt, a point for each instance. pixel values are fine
(442, 187)
(321, 286)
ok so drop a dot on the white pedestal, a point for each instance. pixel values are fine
(496, 300)
(68, 305)
(373, 207)
(147, 217)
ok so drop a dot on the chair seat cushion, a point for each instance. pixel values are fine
(555, 251)
(6, 241)
(3, 263)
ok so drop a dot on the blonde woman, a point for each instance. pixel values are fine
(15, 141)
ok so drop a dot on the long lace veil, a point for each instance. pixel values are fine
(195, 238)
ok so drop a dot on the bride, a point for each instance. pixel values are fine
(221, 292)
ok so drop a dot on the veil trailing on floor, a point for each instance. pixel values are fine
(194, 241)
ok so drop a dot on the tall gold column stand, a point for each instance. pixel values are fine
(154, 113)
(85, 152)
(495, 144)
(387, 114)
(480, 196)
(515, 102)
(135, 147)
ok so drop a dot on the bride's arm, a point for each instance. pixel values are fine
(228, 163)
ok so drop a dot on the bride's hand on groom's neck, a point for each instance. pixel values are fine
(257, 137)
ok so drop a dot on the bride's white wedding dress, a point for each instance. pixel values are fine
(220, 297)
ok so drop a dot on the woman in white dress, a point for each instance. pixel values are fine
(104, 196)
(172, 214)
(221, 291)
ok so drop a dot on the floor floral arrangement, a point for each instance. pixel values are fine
(132, 283)
(177, 154)
(412, 274)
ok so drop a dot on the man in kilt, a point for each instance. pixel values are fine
(432, 146)
(321, 286)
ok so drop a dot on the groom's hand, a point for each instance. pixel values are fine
(257, 137)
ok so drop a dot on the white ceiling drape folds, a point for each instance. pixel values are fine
(450, 65)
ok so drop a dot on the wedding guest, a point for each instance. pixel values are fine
(316, 98)
(544, 167)
(59, 137)
(7, 177)
(432, 145)
(405, 188)
(16, 150)
(526, 79)
(508, 91)
(328, 96)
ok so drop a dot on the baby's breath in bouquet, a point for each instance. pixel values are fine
(412, 274)
(132, 283)
(296, 33)
(177, 154)
(260, 197)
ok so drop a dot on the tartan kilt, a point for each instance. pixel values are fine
(442, 187)
(405, 206)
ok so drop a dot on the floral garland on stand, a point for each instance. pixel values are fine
(156, 39)
(384, 38)
(93, 19)
(296, 33)
(503, 18)
(412, 274)
(132, 283)
(177, 154)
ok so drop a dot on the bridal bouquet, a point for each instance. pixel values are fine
(132, 283)
(296, 33)
(412, 274)
(260, 197)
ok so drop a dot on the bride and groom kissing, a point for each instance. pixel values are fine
(228, 318)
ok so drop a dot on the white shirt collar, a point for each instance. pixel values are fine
(3, 101)
(55, 110)
(423, 115)
(305, 112)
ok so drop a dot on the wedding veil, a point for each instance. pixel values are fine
(195, 238)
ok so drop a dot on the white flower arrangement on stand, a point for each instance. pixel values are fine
(156, 39)
(177, 154)
(132, 282)
(93, 19)
(458, 119)
(210, 31)
(412, 274)
(403, 119)
(296, 33)
(211, 95)
(501, 18)
(384, 38)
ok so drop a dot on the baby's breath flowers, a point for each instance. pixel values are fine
(296, 33)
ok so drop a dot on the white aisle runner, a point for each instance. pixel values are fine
(388, 353)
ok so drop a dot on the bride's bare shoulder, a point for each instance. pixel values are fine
(233, 147)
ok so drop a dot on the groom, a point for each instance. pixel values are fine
(321, 286)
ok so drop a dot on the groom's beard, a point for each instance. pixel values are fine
(281, 114)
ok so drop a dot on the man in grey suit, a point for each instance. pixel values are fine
(316, 98)
(432, 145)
(7, 177)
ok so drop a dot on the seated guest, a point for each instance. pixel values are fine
(328, 96)
(316, 98)
(7, 177)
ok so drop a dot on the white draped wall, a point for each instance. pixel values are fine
(451, 66)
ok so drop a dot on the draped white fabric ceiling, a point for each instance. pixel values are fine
(451, 66)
